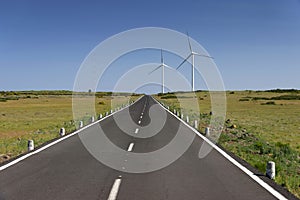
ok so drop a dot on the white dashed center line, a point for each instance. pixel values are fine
(130, 147)
(139, 122)
(115, 189)
(136, 131)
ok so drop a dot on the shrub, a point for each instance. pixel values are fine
(243, 99)
(269, 103)
(260, 98)
(169, 97)
(284, 148)
(284, 91)
(286, 97)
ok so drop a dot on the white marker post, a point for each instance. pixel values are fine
(80, 124)
(196, 124)
(270, 172)
(30, 145)
(187, 119)
(62, 132)
(181, 116)
(106, 114)
(100, 116)
(92, 119)
(207, 132)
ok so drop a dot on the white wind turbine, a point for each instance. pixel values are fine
(162, 66)
(192, 54)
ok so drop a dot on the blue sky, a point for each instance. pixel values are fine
(256, 44)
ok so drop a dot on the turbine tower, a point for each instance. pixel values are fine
(192, 54)
(162, 66)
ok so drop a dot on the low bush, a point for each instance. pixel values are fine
(243, 99)
(286, 97)
(269, 103)
(169, 97)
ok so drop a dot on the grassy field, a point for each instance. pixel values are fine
(261, 126)
(40, 115)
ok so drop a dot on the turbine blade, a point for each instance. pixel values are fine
(155, 69)
(183, 61)
(161, 56)
(189, 41)
(198, 54)
(167, 66)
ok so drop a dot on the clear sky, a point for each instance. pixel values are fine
(256, 44)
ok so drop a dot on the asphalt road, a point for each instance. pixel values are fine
(68, 171)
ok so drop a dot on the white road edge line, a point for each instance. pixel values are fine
(232, 160)
(115, 189)
(130, 147)
(59, 140)
(136, 131)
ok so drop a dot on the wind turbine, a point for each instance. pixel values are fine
(162, 66)
(192, 54)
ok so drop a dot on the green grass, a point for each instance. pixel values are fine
(265, 131)
(40, 115)
(267, 128)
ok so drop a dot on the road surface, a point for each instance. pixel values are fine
(67, 170)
